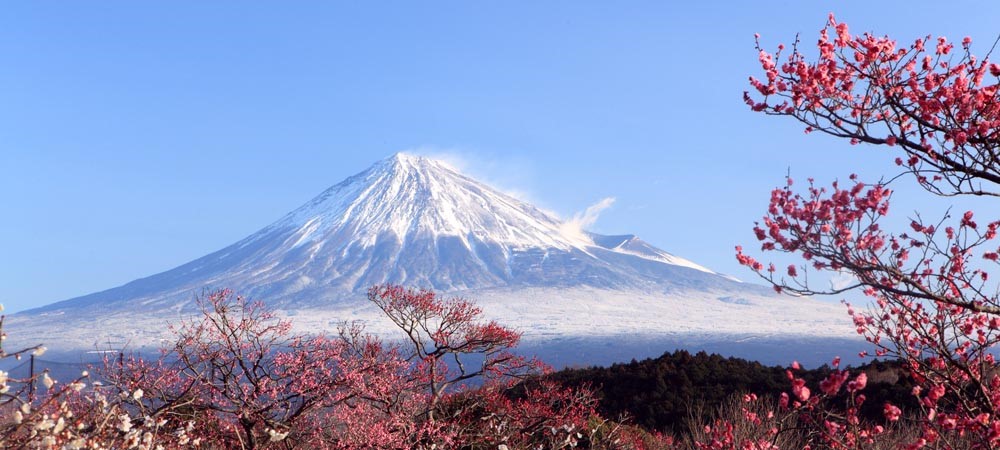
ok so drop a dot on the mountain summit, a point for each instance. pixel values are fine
(411, 198)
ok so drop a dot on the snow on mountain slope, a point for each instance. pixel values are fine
(413, 197)
(416, 221)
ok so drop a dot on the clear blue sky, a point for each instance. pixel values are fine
(136, 136)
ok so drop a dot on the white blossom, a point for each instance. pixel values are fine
(276, 435)
(126, 423)
(60, 425)
(45, 424)
(76, 444)
(46, 381)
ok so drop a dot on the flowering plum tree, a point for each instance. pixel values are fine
(238, 378)
(444, 335)
(71, 414)
(934, 304)
(239, 371)
(448, 343)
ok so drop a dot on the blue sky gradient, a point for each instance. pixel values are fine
(136, 136)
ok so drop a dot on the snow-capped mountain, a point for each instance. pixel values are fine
(416, 221)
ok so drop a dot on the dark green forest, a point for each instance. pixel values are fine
(668, 392)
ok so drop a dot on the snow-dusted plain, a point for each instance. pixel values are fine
(415, 221)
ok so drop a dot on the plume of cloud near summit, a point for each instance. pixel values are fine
(578, 224)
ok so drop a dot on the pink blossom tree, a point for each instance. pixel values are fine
(449, 344)
(71, 414)
(239, 373)
(444, 334)
(933, 304)
(238, 378)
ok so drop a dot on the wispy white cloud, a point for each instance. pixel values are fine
(842, 279)
(581, 221)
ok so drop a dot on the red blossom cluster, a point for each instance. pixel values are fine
(938, 106)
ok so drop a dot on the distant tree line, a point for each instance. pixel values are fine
(679, 388)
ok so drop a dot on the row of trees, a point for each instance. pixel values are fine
(679, 391)
(237, 377)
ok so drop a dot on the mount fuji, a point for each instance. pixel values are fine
(416, 221)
